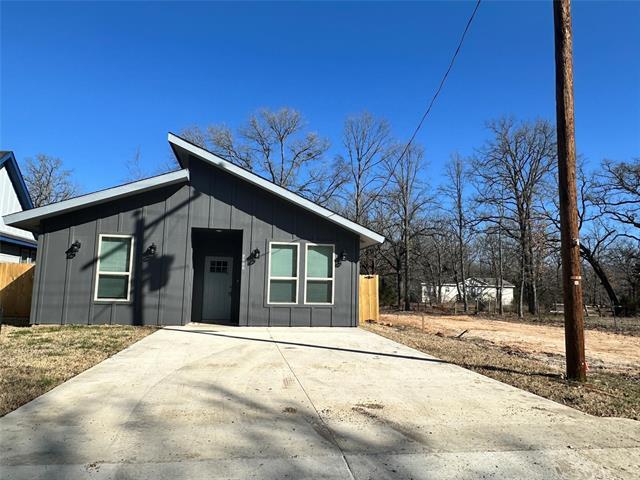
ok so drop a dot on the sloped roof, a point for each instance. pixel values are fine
(30, 219)
(183, 149)
(8, 160)
(18, 193)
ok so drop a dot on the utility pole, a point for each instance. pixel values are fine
(570, 241)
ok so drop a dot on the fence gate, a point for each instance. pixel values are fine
(16, 283)
(368, 298)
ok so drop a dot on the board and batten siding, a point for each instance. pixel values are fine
(162, 285)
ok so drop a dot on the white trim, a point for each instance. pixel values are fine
(367, 237)
(296, 278)
(332, 279)
(128, 274)
(29, 219)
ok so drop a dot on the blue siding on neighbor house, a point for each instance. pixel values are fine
(163, 286)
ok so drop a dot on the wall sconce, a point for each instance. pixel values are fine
(151, 250)
(73, 249)
(342, 257)
(253, 256)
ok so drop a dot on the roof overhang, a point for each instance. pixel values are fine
(9, 160)
(23, 242)
(30, 219)
(183, 149)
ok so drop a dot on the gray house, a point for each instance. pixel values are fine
(211, 242)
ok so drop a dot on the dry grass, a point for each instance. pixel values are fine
(33, 360)
(607, 393)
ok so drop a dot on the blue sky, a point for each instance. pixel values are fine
(92, 82)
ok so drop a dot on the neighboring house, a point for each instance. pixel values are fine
(483, 289)
(16, 245)
(211, 242)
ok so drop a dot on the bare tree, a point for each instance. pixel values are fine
(134, 168)
(367, 142)
(511, 170)
(47, 180)
(596, 232)
(454, 189)
(403, 202)
(275, 144)
(616, 192)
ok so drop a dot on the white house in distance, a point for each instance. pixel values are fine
(16, 245)
(477, 288)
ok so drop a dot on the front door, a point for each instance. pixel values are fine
(216, 295)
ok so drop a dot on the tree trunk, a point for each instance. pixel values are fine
(399, 283)
(587, 254)
(522, 287)
(407, 279)
(532, 300)
(463, 280)
(500, 274)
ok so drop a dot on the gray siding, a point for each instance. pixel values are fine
(163, 286)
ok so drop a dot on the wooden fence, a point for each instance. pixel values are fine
(368, 298)
(16, 284)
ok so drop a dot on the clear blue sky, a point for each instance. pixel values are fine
(91, 82)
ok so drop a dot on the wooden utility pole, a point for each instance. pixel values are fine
(570, 241)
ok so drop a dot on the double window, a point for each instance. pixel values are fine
(283, 274)
(318, 286)
(113, 272)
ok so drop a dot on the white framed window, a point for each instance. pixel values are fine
(113, 272)
(319, 274)
(282, 285)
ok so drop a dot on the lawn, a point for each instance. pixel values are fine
(610, 391)
(33, 360)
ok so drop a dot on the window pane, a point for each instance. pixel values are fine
(112, 286)
(284, 259)
(320, 262)
(114, 254)
(319, 291)
(282, 291)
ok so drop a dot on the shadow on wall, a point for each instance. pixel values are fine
(151, 271)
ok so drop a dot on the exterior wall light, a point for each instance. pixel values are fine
(341, 257)
(73, 249)
(253, 256)
(151, 250)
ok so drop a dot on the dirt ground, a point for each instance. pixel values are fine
(529, 356)
(615, 352)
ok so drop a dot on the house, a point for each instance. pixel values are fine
(16, 245)
(483, 289)
(211, 242)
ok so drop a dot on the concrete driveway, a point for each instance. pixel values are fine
(218, 402)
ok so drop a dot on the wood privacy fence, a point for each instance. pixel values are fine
(16, 284)
(368, 298)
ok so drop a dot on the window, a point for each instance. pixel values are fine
(115, 260)
(319, 274)
(218, 266)
(283, 273)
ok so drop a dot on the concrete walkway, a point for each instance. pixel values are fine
(219, 402)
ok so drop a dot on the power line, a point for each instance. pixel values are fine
(435, 96)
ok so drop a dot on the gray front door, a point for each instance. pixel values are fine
(216, 294)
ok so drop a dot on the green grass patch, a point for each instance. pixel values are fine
(35, 359)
